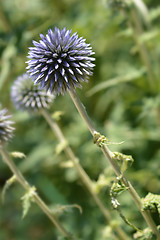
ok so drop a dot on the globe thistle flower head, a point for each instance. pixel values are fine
(6, 129)
(27, 96)
(60, 61)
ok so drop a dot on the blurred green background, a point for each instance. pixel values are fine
(118, 99)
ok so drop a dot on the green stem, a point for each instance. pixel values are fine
(142, 8)
(37, 199)
(108, 154)
(143, 49)
(82, 174)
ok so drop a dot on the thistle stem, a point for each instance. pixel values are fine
(81, 172)
(37, 199)
(108, 155)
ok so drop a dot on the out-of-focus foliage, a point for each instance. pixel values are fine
(124, 105)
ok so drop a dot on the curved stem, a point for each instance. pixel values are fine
(37, 199)
(81, 172)
(108, 155)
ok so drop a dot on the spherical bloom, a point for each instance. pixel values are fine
(60, 61)
(27, 96)
(6, 130)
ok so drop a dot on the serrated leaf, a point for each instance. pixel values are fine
(8, 183)
(27, 199)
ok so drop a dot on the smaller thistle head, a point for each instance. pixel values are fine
(60, 61)
(27, 96)
(6, 129)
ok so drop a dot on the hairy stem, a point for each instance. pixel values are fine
(81, 172)
(108, 155)
(37, 199)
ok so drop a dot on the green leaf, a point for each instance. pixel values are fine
(126, 160)
(151, 202)
(8, 54)
(57, 115)
(61, 146)
(146, 234)
(27, 199)
(115, 81)
(8, 183)
(18, 155)
(61, 209)
(148, 36)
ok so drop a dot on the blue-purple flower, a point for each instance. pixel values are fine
(6, 129)
(27, 96)
(60, 61)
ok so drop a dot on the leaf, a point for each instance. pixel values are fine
(66, 208)
(57, 115)
(8, 183)
(126, 160)
(101, 140)
(27, 199)
(154, 13)
(151, 202)
(61, 146)
(67, 164)
(18, 155)
(148, 36)
(117, 80)
(146, 234)
(8, 54)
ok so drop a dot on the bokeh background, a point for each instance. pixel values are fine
(118, 98)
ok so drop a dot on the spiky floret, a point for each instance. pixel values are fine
(6, 129)
(60, 61)
(27, 96)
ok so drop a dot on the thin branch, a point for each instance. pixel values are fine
(81, 172)
(37, 199)
(108, 154)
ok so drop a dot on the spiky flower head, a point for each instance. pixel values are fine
(27, 96)
(6, 129)
(60, 61)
